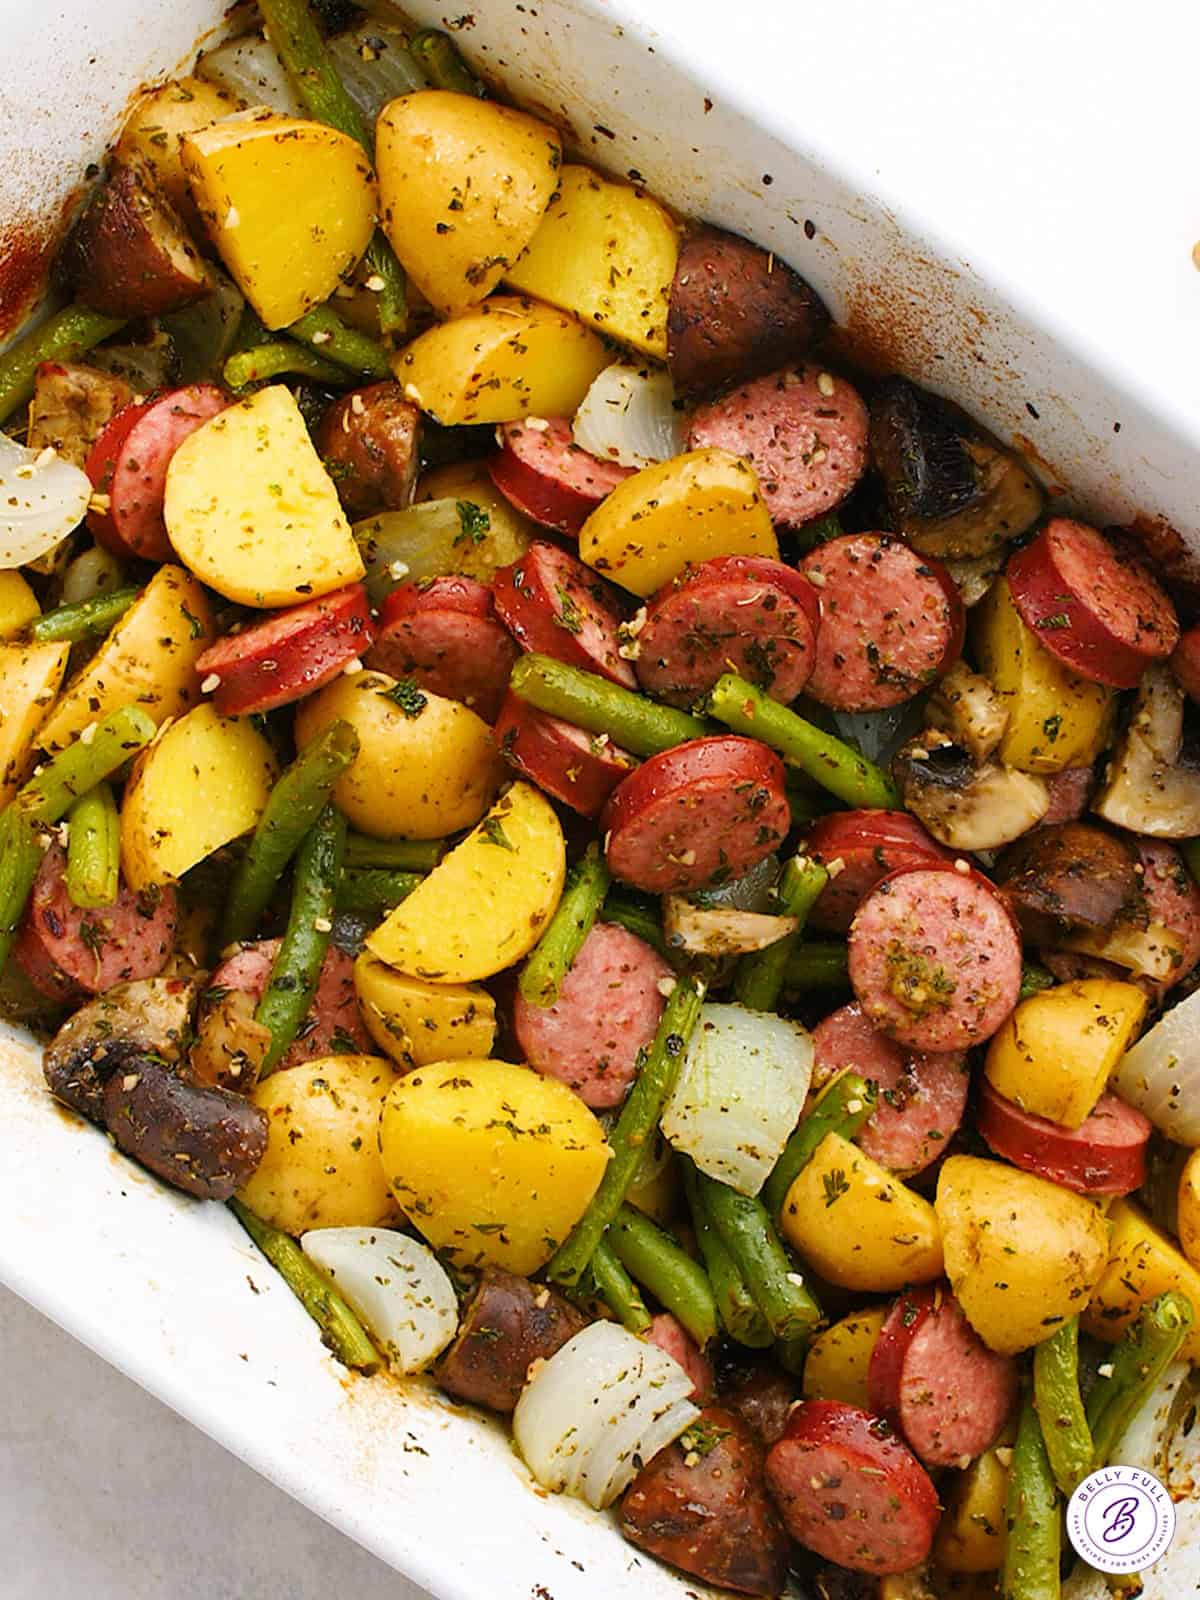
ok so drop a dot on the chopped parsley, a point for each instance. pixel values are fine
(493, 832)
(407, 696)
(473, 521)
(835, 1184)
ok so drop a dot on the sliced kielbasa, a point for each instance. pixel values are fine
(850, 1490)
(290, 655)
(670, 1335)
(550, 602)
(1185, 662)
(741, 614)
(548, 477)
(1172, 897)
(762, 1394)
(736, 311)
(205, 1141)
(922, 1095)
(933, 1378)
(701, 1505)
(859, 848)
(507, 1324)
(370, 443)
(606, 1012)
(128, 465)
(580, 769)
(1070, 876)
(1070, 791)
(1106, 1154)
(445, 635)
(699, 814)
(67, 950)
(891, 621)
(333, 1025)
(803, 430)
(935, 960)
(1099, 611)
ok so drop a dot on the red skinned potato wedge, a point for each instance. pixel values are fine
(130, 254)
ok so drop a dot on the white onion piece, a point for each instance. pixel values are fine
(720, 930)
(375, 66)
(396, 1284)
(1161, 1074)
(628, 416)
(248, 69)
(42, 499)
(739, 1094)
(603, 1405)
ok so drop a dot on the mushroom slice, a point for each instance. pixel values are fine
(952, 487)
(150, 1016)
(1152, 785)
(1155, 951)
(965, 806)
(966, 706)
(720, 930)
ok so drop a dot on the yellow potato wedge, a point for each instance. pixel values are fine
(493, 1163)
(484, 905)
(701, 504)
(1055, 719)
(1055, 1053)
(252, 511)
(839, 1359)
(149, 658)
(158, 124)
(463, 185)
(321, 1167)
(30, 677)
(857, 1225)
(607, 252)
(1022, 1254)
(289, 204)
(1142, 1264)
(1188, 1209)
(204, 781)
(416, 1022)
(18, 604)
(425, 767)
(508, 359)
(970, 1536)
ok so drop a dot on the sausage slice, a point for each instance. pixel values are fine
(507, 1324)
(444, 633)
(1069, 876)
(860, 848)
(552, 603)
(580, 769)
(1106, 1154)
(333, 1025)
(370, 443)
(548, 477)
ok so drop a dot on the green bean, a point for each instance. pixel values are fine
(740, 1316)
(63, 337)
(296, 802)
(805, 806)
(658, 1263)
(297, 41)
(749, 1235)
(1034, 979)
(372, 892)
(636, 1124)
(340, 1328)
(843, 1108)
(639, 914)
(334, 341)
(791, 1354)
(297, 966)
(1137, 1363)
(819, 532)
(93, 848)
(47, 798)
(832, 764)
(1032, 1550)
(612, 1284)
(401, 855)
(264, 361)
(820, 964)
(758, 980)
(543, 974)
(437, 56)
(70, 624)
(590, 702)
(1059, 1407)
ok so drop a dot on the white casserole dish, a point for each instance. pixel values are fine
(170, 1291)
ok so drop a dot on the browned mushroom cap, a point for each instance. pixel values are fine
(149, 1016)
(1152, 784)
(1069, 876)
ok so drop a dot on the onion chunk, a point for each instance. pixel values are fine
(1161, 1074)
(629, 416)
(397, 1286)
(42, 500)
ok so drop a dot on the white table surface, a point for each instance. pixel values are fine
(108, 1494)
